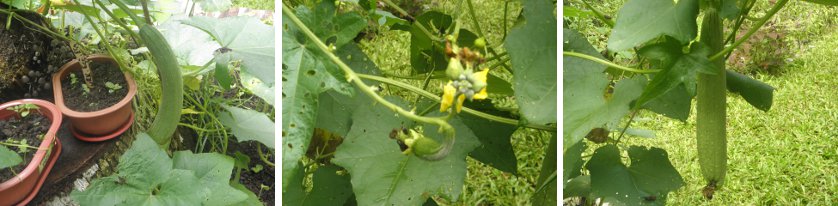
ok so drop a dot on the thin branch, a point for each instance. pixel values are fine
(608, 63)
(436, 98)
(780, 4)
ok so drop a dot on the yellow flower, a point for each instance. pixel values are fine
(481, 77)
(448, 93)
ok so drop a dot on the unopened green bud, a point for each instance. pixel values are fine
(480, 43)
(455, 69)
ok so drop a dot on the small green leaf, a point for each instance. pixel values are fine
(677, 68)
(425, 54)
(496, 85)
(532, 50)
(642, 20)
(8, 158)
(729, 9)
(647, 181)
(249, 125)
(222, 73)
(386, 18)
(242, 160)
(262, 90)
(755, 92)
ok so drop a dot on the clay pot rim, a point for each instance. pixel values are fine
(59, 93)
(54, 114)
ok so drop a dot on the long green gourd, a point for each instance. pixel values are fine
(171, 84)
(711, 105)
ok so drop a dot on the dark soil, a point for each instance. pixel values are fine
(253, 181)
(29, 128)
(99, 96)
(28, 57)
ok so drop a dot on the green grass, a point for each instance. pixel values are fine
(786, 156)
(255, 4)
(484, 185)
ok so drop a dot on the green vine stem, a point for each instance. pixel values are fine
(18, 145)
(779, 5)
(263, 157)
(608, 63)
(431, 96)
(352, 77)
(42, 28)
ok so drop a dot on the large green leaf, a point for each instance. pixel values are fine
(8, 158)
(382, 175)
(755, 92)
(213, 170)
(647, 181)
(147, 176)
(495, 148)
(294, 193)
(144, 162)
(329, 188)
(246, 38)
(265, 91)
(579, 186)
(642, 20)
(249, 125)
(674, 104)
(572, 161)
(252, 199)
(336, 109)
(305, 74)
(545, 193)
(532, 49)
(585, 104)
(190, 45)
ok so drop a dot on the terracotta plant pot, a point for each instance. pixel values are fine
(98, 125)
(23, 187)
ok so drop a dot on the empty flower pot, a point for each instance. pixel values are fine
(22, 188)
(97, 125)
